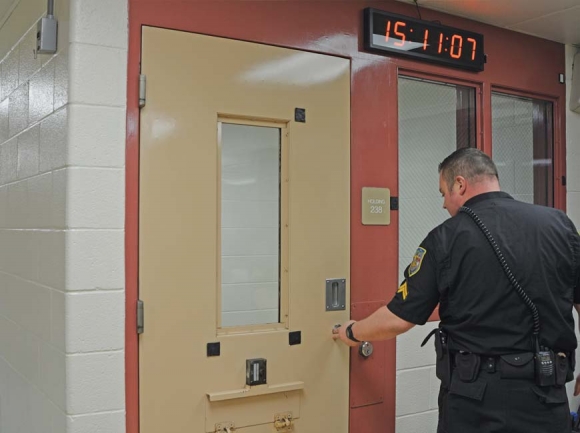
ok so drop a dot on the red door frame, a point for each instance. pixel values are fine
(515, 61)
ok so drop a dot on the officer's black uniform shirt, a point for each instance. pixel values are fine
(456, 267)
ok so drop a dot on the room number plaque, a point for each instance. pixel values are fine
(376, 206)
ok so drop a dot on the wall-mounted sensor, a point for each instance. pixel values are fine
(46, 32)
(46, 36)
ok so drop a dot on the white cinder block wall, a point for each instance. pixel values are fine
(95, 279)
(62, 141)
(573, 176)
(33, 116)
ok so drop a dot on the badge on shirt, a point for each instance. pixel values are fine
(403, 290)
(417, 260)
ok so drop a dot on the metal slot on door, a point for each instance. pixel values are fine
(256, 372)
(335, 294)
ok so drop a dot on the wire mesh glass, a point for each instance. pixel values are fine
(435, 119)
(522, 147)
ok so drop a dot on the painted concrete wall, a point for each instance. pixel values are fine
(95, 172)
(33, 179)
(62, 140)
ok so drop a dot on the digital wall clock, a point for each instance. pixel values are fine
(400, 35)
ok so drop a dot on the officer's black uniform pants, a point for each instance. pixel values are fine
(495, 405)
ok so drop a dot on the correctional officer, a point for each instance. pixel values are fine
(486, 353)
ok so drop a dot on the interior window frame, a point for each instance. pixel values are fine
(284, 227)
(551, 137)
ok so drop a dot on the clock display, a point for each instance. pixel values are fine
(423, 40)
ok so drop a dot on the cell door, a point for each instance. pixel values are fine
(243, 236)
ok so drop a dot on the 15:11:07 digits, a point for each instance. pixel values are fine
(400, 30)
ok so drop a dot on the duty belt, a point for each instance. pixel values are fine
(510, 366)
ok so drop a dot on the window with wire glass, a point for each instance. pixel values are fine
(523, 147)
(435, 119)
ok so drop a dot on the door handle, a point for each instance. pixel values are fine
(365, 348)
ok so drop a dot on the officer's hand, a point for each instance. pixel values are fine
(338, 333)
(577, 386)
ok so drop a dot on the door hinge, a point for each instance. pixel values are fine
(140, 317)
(563, 180)
(142, 90)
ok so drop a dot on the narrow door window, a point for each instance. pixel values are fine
(250, 224)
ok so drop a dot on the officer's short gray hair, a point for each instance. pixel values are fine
(468, 162)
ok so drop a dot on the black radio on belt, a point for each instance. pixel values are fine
(545, 371)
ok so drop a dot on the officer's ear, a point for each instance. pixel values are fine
(461, 184)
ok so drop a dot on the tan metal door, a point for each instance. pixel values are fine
(244, 216)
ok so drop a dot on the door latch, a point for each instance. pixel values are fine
(365, 349)
(283, 422)
(224, 427)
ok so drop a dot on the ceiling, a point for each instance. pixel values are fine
(556, 20)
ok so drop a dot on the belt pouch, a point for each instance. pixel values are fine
(561, 368)
(467, 366)
(517, 366)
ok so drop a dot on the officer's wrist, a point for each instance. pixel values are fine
(350, 334)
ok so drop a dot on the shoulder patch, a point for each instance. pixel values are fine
(417, 260)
